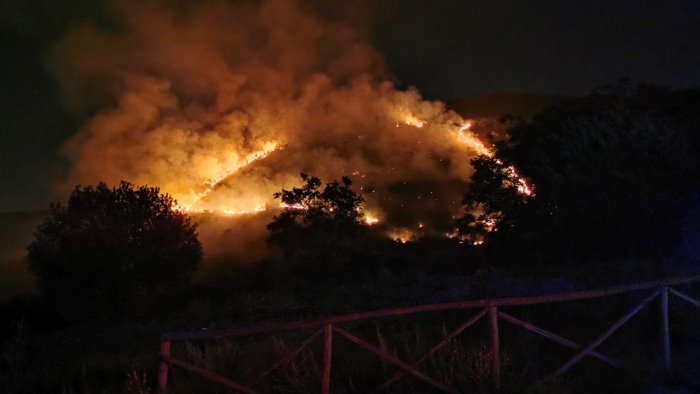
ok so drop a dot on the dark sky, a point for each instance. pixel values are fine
(446, 48)
(449, 48)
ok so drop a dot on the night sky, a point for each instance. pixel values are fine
(448, 49)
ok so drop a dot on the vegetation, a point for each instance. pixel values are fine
(110, 246)
(493, 202)
(318, 224)
(615, 174)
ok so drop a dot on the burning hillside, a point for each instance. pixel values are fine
(221, 105)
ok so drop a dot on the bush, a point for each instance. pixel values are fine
(108, 247)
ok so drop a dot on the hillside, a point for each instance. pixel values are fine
(17, 228)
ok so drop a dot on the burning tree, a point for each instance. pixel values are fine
(616, 171)
(496, 198)
(109, 246)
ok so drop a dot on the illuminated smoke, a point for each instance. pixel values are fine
(222, 105)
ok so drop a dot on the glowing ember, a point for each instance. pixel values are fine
(402, 235)
(415, 122)
(370, 219)
(490, 225)
(295, 207)
(243, 212)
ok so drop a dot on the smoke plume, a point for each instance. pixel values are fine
(221, 104)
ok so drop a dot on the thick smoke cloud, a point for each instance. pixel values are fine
(188, 93)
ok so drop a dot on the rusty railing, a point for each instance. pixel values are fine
(489, 308)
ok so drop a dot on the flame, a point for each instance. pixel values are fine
(402, 235)
(465, 136)
(371, 219)
(295, 207)
(490, 225)
(243, 212)
(523, 187)
(462, 133)
(415, 122)
(267, 149)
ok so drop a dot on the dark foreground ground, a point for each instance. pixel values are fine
(45, 351)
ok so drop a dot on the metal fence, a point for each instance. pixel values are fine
(486, 308)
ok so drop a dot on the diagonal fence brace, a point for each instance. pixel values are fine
(213, 376)
(400, 374)
(286, 358)
(685, 297)
(396, 361)
(590, 347)
(554, 337)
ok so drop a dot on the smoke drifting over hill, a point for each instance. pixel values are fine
(223, 104)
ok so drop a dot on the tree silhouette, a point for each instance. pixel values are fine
(318, 223)
(615, 171)
(109, 246)
(493, 202)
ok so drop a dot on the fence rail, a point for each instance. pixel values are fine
(489, 308)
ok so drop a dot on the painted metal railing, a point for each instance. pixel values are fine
(489, 308)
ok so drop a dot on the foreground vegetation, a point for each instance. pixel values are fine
(46, 353)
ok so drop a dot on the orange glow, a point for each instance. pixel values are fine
(371, 219)
(267, 149)
(402, 235)
(244, 212)
(295, 207)
(415, 122)
(221, 120)
(461, 134)
(465, 136)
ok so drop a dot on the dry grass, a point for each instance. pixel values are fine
(464, 363)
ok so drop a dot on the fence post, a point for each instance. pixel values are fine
(495, 347)
(666, 334)
(163, 373)
(327, 357)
